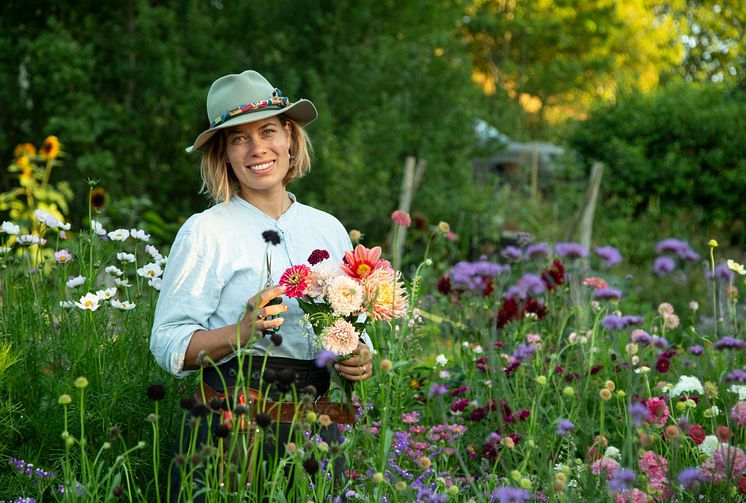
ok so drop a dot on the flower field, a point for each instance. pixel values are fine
(536, 374)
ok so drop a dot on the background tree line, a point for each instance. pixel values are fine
(122, 84)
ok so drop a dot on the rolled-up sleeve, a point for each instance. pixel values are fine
(190, 293)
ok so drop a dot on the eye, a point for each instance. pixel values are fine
(238, 139)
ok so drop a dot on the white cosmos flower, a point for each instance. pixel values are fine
(114, 270)
(119, 235)
(28, 239)
(74, 281)
(98, 228)
(4, 250)
(155, 283)
(67, 304)
(153, 252)
(688, 385)
(89, 301)
(107, 293)
(735, 266)
(739, 389)
(441, 360)
(62, 256)
(10, 228)
(712, 411)
(140, 234)
(124, 305)
(122, 282)
(151, 270)
(126, 257)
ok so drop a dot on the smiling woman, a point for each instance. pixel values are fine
(220, 296)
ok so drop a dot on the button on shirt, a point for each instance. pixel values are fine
(217, 263)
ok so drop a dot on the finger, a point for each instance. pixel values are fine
(358, 374)
(273, 310)
(262, 298)
(262, 325)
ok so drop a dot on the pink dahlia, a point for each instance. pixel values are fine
(340, 337)
(385, 295)
(361, 262)
(295, 279)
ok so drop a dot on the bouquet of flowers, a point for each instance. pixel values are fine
(340, 299)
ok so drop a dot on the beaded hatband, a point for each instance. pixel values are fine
(276, 101)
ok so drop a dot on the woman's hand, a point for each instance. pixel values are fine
(358, 367)
(259, 309)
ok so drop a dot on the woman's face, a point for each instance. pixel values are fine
(258, 153)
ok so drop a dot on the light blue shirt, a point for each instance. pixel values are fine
(217, 263)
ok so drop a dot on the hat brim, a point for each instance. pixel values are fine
(301, 112)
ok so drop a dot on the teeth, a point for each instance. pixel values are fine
(260, 167)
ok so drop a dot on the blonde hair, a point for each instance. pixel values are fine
(220, 183)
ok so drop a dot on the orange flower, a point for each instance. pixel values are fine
(362, 261)
(24, 149)
(51, 147)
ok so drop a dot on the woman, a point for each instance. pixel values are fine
(217, 291)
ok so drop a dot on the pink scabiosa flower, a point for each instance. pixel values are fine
(385, 294)
(655, 468)
(605, 466)
(738, 414)
(295, 280)
(401, 217)
(340, 337)
(634, 495)
(345, 295)
(595, 282)
(726, 462)
(657, 411)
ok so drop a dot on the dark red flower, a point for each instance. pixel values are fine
(554, 275)
(512, 367)
(696, 433)
(516, 437)
(662, 365)
(536, 307)
(444, 285)
(478, 414)
(524, 414)
(318, 256)
(595, 369)
(723, 433)
(459, 405)
(558, 369)
(508, 312)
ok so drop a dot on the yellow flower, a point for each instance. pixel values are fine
(356, 235)
(81, 382)
(713, 243)
(735, 267)
(64, 399)
(24, 149)
(605, 393)
(22, 161)
(51, 147)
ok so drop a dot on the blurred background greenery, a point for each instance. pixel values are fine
(655, 89)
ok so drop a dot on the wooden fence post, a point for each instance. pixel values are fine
(414, 169)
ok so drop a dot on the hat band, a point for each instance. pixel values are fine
(276, 102)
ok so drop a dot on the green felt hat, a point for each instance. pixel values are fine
(247, 97)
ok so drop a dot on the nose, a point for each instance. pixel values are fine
(255, 147)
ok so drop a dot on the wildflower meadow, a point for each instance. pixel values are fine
(539, 372)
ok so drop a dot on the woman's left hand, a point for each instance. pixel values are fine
(357, 367)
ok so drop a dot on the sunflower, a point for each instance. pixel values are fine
(51, 147)
(24, 149)
(98, 198)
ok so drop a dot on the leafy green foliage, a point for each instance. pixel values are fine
(679, 148)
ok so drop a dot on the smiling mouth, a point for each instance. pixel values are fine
(262, 167)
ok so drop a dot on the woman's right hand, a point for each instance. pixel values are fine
(259, 310)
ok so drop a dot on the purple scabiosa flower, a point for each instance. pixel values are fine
(663, 265)
(638, 412)
(516, 293)
(607, 293)
(622, 480)
(689, 255)
(524, 351)
(325, 358)
(564, 427)
(532, 283)
(722, 273)
(613, 322)
(631, 319)
(476, 276)
(735, 375)
(437, 389)
(538, 250)
(571, 250)
(660, 342)
(609, 255)
(729, 342)
(511, 253)
(507, 494)
(677, 246)
(696, 350)
(641, 337)
(690, 478)
(493, 438)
